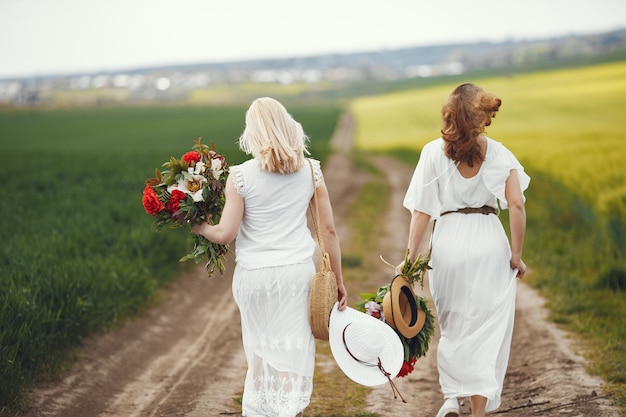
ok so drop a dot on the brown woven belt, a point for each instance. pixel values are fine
(468, 210)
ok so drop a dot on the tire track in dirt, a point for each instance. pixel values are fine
(175, 359)
(159, 383)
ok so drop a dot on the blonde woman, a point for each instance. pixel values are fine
(459, 180)
(266, 208)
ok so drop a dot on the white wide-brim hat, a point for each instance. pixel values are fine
(359, 341)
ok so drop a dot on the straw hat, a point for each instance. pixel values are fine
(367, 350)
(401, 310)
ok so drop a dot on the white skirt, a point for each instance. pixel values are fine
(277, 339)
(473, 288)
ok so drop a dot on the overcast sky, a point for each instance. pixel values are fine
(62, 36)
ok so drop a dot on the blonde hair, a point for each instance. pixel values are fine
(466, 113)
(273, 137)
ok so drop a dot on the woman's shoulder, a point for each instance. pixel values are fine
(317, 170)
(496, 149)
(500, 157)
(316, 163)
(246, 165)
(312, 164)
(239, 173)
(433, 149)
(492, 143)
(435, 143)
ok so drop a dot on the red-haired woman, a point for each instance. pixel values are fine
(461, 180)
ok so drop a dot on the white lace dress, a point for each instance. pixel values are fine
(274, 250)
(472, 284)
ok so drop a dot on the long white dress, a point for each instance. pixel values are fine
(274, 250)
(471, 280)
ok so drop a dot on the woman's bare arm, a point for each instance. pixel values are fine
(331, 241)
(517, 221)
(226, 230)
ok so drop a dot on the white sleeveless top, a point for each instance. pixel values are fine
(273, 231)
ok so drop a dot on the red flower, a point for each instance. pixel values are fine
(191, 156)
(407, 367)
(174, 204)
(151, 202)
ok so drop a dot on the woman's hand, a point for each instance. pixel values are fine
(180, 217)
(399, 268)
(520, 266)
(342, 297)
(197, 228)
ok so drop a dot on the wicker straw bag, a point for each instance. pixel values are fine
(323, 294)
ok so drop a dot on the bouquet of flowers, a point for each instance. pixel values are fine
(190, 190)
(372, 304)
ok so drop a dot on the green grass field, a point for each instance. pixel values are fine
(78, 251)
(566, 127)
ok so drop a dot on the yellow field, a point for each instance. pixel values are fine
(568, 123)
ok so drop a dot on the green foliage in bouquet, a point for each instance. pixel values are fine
(414, 271)
(191, 190)
(371, 303)
(418, 345)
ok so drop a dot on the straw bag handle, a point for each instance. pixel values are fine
(315, 216)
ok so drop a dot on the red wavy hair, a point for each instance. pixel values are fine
(466, 113)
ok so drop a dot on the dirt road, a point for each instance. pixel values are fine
(183, 357)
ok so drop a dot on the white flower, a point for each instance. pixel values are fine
(372, 307)
(216, 168)
(200, 168)
(191, 184)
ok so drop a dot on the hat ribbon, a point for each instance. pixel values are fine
(394, 389)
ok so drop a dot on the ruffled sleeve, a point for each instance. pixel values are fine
(500, 161)
(423, 193)
(317, 172)
(236, 172)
